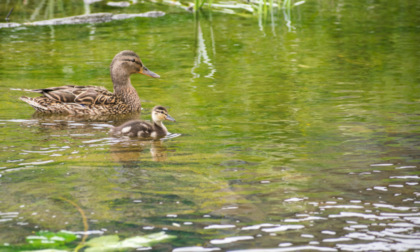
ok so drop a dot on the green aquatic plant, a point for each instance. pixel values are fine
(84, 220)
(113, 242)
(45, 239)
(64, 241)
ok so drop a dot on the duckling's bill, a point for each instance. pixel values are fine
(170, 118)
(146, 71)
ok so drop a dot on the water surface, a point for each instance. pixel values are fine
(295, 130)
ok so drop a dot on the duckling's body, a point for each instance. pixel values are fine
(143, 129)
(95, 100)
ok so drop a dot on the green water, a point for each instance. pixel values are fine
(293, 136)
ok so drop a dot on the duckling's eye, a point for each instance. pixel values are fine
(133, 60)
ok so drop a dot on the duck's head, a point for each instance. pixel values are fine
(160, 113)
(128, 62)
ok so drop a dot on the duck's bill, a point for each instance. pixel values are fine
(170, 118)
(147, 72)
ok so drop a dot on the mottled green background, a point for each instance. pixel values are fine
(307, 117)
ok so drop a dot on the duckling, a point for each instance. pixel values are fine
(143, 129)
(95, 100)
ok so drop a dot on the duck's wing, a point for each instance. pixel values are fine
(86, 95)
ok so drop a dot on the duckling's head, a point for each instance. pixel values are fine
(160, 113)
(128, 62)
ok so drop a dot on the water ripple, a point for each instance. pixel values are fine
(195, 249)
(335, 240)
(8, 216)
(378, 246)
(231, 239)
(280, 228)
(254, 227)
(37, 163)
(309, 218)
(343, 206)
(391, 207)
(219, 226)
(405, 177)
(297, 248)
(360, 215)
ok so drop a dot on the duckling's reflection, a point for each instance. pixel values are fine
(129, 151)
(203, 65)
(158, 151)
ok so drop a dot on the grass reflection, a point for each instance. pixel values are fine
(203, 65)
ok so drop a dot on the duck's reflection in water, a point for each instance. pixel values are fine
(130, 151)
(122, 149)
(115, 119)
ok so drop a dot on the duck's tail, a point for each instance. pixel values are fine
(34, 104)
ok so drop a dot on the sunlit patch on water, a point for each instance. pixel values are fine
(294, 199)
(286, 249)
(407, 167)
(341, 223)
(219, 226)
(8, 216)
(19, 120)
(37, 163)
(101, 126)
(231, 239)
(98, 142)
(381, 246)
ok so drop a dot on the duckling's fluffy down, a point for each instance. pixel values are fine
(134, 128)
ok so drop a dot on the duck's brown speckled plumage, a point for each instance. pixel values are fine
(95, 100)
(143, 129)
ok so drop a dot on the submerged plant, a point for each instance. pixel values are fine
(113, 242)
(64, 241)
(45, 239)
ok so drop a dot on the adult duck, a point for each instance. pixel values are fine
(143, 129)
(95, 100)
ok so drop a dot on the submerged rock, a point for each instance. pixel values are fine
(9, 25)
(87, 19)
(152, 14)
(118, 4)
(91, 1)
(81, 19)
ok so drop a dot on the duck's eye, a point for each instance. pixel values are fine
(133, 60)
